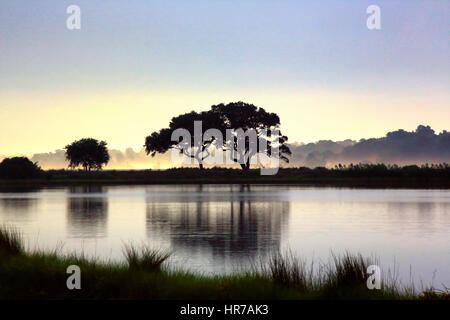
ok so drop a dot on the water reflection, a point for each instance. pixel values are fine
(17, 206)
(87, 212)
(239, 228)
(214, 227)
(18, 202)
(425, 213)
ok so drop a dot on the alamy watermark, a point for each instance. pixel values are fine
(374, 19)
(74, 280)
(374, 279)
(250, 147)
(73, 22)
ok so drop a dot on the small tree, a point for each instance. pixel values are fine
(88, 153)
(19, 168)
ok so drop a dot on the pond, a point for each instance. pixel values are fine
(222, 228)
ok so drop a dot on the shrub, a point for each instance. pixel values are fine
(19, 168)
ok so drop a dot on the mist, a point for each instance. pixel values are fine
(420, 146)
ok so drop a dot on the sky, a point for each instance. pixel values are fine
(134, 65)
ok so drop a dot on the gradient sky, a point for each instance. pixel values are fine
(135, 64)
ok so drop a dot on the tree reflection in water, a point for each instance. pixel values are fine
(87, 212)
(242, 227)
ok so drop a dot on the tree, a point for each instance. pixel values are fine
(88, 153)
(19, 168)
(232, 117)
(161, 141)
(245, 116)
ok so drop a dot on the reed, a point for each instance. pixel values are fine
(147, 275)
(144, 258)
(11, 241)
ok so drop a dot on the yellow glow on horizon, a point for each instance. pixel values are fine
(43, 122)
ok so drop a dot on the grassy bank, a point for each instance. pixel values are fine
(147, 275)
(362, 175)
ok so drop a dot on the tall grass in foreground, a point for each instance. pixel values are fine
(349, 270)
(286, 270)
(144, 258)
(11, 241)
(343, 277)
(40, 275)
(345, 272)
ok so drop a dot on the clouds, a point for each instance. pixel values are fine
(422, 145)
(128, 159)
(316, 154)
(419, 146)
(51, 160)
(400, 147)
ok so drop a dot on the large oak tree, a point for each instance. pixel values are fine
(235, 117)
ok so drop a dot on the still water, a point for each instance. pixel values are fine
(221, 228)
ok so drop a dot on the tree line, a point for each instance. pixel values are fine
(92, 154)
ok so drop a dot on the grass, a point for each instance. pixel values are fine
(144, 258)
(11, 242)
(147, 275)
(357, 176)
(350, 270)
(287, 270)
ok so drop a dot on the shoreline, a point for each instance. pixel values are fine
(440, 184)
(359, 176)
(147, 275)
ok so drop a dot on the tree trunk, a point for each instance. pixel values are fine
(200, 165)
(245, 167)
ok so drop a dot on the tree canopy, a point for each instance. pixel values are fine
(88, 153)
(245, 116)
(19, 168)
(161, 141)
(231, 117)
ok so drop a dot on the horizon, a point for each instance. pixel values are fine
(129, 159)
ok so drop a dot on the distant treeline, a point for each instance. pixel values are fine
(400, 146)
(353, 175)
